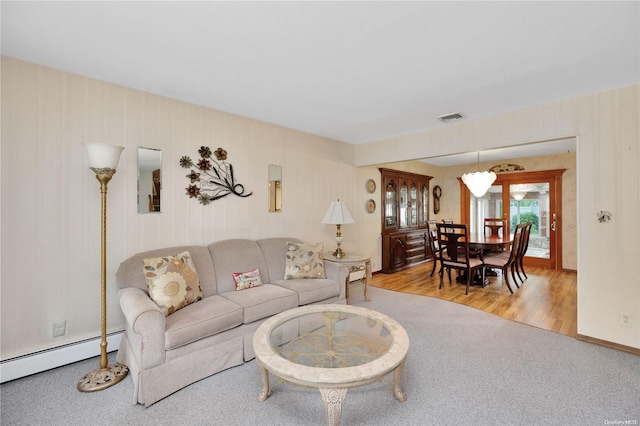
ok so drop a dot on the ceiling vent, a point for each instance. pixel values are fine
(450, 117)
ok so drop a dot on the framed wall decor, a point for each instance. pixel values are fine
(371, 206)
(371, 186)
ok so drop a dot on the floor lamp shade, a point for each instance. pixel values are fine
(338, 214)
(103, 156)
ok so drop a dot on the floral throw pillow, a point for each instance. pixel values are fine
(245, 280)
(173, 282)
(304, 261)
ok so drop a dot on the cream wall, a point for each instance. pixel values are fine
(50, 214)
(606, 126)
(50, 225)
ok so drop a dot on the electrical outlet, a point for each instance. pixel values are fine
(625, 320)
(59, 328)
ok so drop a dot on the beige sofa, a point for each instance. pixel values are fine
(165, 354)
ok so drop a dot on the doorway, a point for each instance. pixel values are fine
(523, 197)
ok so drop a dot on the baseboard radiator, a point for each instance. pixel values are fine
(37, 362)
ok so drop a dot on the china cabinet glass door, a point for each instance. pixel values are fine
(390, 200)
(404, 204)
(424, 204)
(413, 205)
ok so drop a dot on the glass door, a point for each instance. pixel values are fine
(390, 205)
(489, 205)
(413, 205)
(424, 204)
(523, 197)
(404, 205)
(529, 202)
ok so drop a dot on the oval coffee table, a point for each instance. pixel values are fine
(331, 347)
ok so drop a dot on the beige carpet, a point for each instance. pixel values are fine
(464, 367)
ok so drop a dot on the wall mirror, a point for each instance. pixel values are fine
(149, 180)
(275, 188)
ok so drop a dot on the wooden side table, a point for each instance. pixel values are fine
(355, 263)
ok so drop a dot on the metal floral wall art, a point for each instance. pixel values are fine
(604, 216)
(213, 178)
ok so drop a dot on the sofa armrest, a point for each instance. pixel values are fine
(339, 273)
(147, 323)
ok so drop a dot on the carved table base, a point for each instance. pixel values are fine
(333, 397)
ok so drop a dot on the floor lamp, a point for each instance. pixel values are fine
(103, 160)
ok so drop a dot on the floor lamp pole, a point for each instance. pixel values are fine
(106, 375)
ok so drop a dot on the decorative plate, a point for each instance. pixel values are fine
(371, 186)
(371, 206)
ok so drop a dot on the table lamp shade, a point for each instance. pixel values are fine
(103, 156)
(337, 214)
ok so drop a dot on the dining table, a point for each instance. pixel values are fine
(479, 241)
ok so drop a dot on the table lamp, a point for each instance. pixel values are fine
(338, 214)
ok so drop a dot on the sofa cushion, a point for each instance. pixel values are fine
(304, 261)
(264, 301)
(209, 316)
(245, 280)
(311, 291)
(274, 250)
(173, 281)
(130, 273)
(236, 255)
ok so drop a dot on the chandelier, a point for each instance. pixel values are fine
(519, 191)
(479, 182)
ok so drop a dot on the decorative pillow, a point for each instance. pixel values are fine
(304, 261)
(173, 282)
(246, 280)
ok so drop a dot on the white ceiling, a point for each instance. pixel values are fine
(352, 71)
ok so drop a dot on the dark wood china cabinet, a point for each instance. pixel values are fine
(405, 211)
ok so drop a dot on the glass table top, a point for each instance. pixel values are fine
(330, 339)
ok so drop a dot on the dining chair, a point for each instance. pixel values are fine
(453, 240)
(447, 221)
(506, 260)
(495, 225)
(432, 234)
(518, 266)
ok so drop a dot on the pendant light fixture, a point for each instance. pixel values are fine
(519, 191)
(479, 182)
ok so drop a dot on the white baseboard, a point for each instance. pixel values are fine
(27, 365)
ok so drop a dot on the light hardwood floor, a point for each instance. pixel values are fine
(547, 299)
